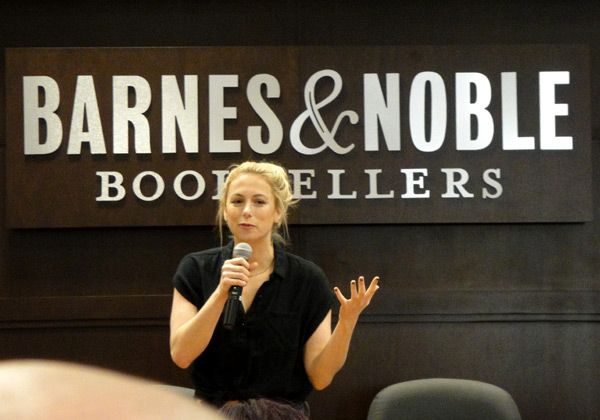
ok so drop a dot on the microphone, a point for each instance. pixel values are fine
(243, 250)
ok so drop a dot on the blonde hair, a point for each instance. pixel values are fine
(277, 178)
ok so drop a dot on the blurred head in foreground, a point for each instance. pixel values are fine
(261, 409)
(36, 389)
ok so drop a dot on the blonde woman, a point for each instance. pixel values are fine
(282, 345)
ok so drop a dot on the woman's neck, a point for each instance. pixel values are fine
(263, 253)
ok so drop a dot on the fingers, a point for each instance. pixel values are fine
(373, 287)
(242, 262)
(361, 285)
(359, 290)
(235, 272)
(236, 266)
(353, 289)
(338, 294)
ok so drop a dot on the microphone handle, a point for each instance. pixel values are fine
(231, 307)
(235, 292)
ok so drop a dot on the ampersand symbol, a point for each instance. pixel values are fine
(312, 112)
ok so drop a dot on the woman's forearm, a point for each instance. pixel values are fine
(192, 337)
(333, 356)
(326, 351)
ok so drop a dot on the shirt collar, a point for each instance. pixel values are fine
(281, 261)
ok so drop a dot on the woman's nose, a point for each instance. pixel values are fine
(247, 211)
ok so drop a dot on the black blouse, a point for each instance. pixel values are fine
(263, 355)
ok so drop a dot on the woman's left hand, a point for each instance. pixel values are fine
(360, 297)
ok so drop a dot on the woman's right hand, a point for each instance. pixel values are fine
(235, 272)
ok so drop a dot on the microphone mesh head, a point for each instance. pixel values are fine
(243, 250)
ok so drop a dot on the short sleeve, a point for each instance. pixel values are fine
(185, 279)
(320, 300)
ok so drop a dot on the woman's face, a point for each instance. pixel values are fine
(250, 210)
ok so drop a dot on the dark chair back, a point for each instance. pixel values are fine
(443, 398)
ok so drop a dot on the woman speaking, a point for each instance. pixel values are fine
(278, 344)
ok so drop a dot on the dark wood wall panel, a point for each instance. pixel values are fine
(134, 348)
(531, 360)
(517, 305)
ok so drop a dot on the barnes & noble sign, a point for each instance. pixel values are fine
(411, 134)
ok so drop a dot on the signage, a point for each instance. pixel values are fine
(389, 134)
